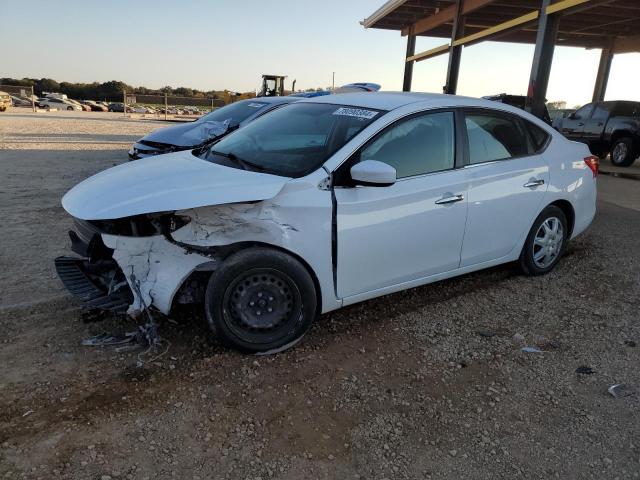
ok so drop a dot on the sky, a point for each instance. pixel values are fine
(218, 44)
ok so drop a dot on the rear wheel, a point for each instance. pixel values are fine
(623, 152)
(260, 300)
(545, 243)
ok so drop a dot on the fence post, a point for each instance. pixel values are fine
(212, 104)
(124, 103)
(166, 106)
(33, 102)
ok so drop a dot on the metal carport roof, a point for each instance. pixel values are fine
(610, 25)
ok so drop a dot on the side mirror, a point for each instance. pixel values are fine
(373, 173)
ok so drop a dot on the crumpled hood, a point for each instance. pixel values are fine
(174, 181)
(188, 134)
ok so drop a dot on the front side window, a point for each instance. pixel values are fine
(419, 145)
(583, 113)
(494, 137)
(293, 140)
(600, 112)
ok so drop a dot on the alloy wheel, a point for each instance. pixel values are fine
(619, 152)
(547, 244)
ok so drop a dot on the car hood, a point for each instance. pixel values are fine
(188, 134)
(174, 181)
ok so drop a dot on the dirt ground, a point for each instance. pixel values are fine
(428, 383)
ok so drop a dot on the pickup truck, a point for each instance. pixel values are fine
(611, 127)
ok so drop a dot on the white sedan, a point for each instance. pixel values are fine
(324, 203)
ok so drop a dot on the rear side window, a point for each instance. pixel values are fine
(539, 137)
(495, 137)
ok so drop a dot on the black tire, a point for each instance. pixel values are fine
(623, 152)
(260, 300)
(69, 109)
(537, 259)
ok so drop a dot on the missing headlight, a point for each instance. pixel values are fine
(143, 225)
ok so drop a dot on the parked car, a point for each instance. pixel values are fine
(324, 203)
(83, 107)
(20, 102)
(611, 127)
(518, 101)
(5, 101)
(142, 109)
(188, 136)
(558, 114)
(57, 103)
(95, 106)
(119, 107)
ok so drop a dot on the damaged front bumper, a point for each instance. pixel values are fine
(85, 281)
(125, 274)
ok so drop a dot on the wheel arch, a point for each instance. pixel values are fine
(622, 133)
(568, 211)
(223, 252)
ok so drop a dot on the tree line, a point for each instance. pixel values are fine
(107, 91)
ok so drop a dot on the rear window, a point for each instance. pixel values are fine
(236, 113)
(627, 109)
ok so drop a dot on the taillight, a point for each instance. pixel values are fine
(592, 162)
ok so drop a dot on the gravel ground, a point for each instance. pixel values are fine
(427, 383)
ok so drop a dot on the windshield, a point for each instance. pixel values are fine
(294, 140)
(235, 112)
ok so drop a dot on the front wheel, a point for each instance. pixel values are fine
(623, 152)
(260, 300)
(545, 243)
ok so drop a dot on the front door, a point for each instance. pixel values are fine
(573, 125)
(508, 178)
(412, 229)
(594, 127)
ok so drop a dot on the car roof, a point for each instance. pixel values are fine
(272, 100)
(393, 100)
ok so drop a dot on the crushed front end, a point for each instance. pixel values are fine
(94, 278)
(129, 264)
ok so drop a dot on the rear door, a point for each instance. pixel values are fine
(412, 229)
(508, 177)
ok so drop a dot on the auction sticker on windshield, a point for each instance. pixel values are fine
(356, 112)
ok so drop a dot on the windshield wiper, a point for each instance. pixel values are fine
(245, 164)
(207, 143)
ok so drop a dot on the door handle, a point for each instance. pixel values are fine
(452, 199)
(534, 183)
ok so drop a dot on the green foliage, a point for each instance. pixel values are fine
(108, 91)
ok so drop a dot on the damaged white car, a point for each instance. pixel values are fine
(324, 203)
